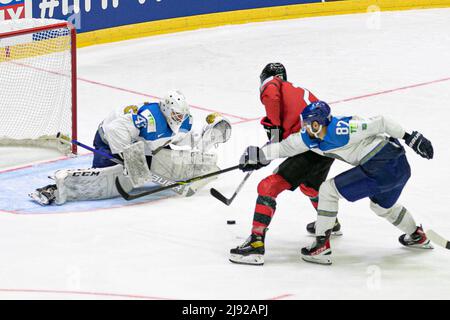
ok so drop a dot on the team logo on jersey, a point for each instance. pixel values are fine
(139, 121)
(145, 119)
(15, 9)
(364, 126)
(353, 127)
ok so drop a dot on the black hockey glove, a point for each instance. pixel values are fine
(274, 133)
(419, 144)
(252, 159)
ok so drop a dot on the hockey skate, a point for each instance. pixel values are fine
(250, 252)
(336, 231)
(320, 251)
(416, 240)
(44, 196)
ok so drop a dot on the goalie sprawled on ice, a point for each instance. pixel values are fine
(139, 139)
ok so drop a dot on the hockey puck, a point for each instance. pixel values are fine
(231, 221)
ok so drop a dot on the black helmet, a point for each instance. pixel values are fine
(273, 69)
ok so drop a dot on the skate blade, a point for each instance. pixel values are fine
(252, 259)
(322, 259)
(424, 246)
(333, 233)
(39, 200)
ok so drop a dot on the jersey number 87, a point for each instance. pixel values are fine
(342, 128)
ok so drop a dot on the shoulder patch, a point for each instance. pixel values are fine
(356, 126)
(133, 109)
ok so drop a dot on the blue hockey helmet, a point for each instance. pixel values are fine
(318, 111)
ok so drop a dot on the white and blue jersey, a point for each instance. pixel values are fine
(351, 139)
(144, 123)
(381, 169)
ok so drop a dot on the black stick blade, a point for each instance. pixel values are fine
(216, 194)
(121, 191)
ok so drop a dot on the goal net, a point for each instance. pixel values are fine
(37, 83)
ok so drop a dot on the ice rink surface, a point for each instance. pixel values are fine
(394, 63)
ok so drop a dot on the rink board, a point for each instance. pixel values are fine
(16, 184)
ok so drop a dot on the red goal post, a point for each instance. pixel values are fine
(38, 83)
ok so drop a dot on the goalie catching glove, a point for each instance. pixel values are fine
(217, 130)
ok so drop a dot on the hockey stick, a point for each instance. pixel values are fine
(219, 196)
(65, 139)
(127, 196)
(216, 194)
(438, 239)
(183, 190)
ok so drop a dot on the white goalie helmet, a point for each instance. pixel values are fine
(175, 108)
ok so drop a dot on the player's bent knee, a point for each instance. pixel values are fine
(328, 191)
(387, 213)
(309, 191)
(272, 186)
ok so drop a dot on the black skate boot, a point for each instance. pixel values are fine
(336, 231)
(44, 196)
(416, 240)
(320, 251)
(250, 252)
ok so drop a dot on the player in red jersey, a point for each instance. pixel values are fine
(284, 104)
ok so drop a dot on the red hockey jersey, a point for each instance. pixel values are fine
(284, 103)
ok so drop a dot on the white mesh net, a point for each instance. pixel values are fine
(35, 84)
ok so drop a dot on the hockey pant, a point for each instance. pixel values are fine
(382, 179)
(306, 171)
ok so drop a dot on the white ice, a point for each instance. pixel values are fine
(178, 248)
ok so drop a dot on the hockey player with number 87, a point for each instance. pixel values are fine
(381, 170)
(140, 137)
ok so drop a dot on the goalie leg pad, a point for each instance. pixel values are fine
(136, 164)
(182, 164)
(89, 184)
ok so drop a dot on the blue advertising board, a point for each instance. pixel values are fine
(89, 15)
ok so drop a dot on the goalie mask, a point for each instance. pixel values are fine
(175, 109)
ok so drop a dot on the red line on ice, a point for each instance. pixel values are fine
(84, 293)
(155, 97)
(367, 95)
(281, 296)
(123, 89)
(391, 90)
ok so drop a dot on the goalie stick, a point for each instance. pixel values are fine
(438, 239)
(128, 196)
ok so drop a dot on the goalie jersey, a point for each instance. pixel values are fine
(142, 123)
(351, 139)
